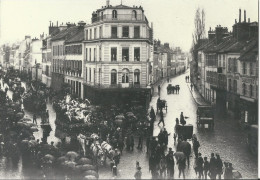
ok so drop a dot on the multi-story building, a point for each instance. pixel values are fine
(47, 54)
(24, 54)
(117, 53)
(36, 58)
(60, 66)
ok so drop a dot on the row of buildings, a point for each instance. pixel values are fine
(225, 71)
(113, 56)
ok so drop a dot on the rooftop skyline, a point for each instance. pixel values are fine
(173, 21)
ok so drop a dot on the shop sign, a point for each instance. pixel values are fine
(248, 80)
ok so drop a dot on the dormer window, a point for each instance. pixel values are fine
(114, 14)
(134, 14)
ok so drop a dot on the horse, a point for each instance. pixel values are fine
(98, 153)
(107, 148)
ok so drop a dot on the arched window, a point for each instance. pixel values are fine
(251, 90)
(125, 76)
(244, 89)
(113, 76)
(137, 76)
(114, 14)
(134, 14)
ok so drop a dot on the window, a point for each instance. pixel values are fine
(229, 85)
(90, 34)
(100, 32)
(251, 68)
(137, 76)
(100, 53)
(86, 74)
(235, 86)
(95, 33)
(86, 34)
(89, 74)
(126, 31)
(86, 54)
(251, 90)
(125, 54)
(137, 54)
(134, 14)
(114, 14)
(235, 65)
(244, 89)
(113, 54)
(137, 32)
(114, 31)
(244, 68)
(229, 64)
(95, 54)
(113, 77)
(125, 76)
(89, 54)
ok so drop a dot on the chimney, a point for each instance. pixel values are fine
(52, 24)
(166, 45)
(57, 23)
(239, 15)
(248, 20)
(245, 16)
(107, 3)
(235, 21)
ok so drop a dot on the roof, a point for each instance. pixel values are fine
(66, 33)
(78, 37)
(226, 41)
(250, 52)
(120, 7)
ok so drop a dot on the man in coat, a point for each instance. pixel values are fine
(170, 163)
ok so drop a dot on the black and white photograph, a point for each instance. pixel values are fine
(129, 89)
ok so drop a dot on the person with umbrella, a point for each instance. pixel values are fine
(138, 173)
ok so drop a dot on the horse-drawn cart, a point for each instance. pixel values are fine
(162, 104)
(205, 115)
(184, 131)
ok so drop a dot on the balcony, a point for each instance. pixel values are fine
(119, 17)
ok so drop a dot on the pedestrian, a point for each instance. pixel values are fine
(219, 166)
(152, 165)
(188, 78)
(162, 166)
(200, 165)
(152, 114)
(212, 166)
(170, 163)
(114, 170)
(137, 165)
(161, 118)
(206, 167)
(140, 140)
(138, 173)
(159, 90)
(148, 144)
(228, 171)
(132, 142)
(153, 145)
(34, 119)
(174, 137)
(165, 134)
(158, 104)
(116, 157)
(196, 146)
(186, 149)
(191, 86)
(47, 116)
(181, 165)
(161, 137)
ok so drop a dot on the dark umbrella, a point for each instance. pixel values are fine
(83, 161)
(90, 173)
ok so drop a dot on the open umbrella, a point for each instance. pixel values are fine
(32, 143)
(83, 161)
(118, 121)
(71, 155)
(179, 155)
(87, 167)
(19, 115)
(25, 142)
(26, 119)
(90, 173)
(90, 177)
(120, 116)
(48, 157)
(70, 164)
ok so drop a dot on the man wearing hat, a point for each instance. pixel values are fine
(170, 163)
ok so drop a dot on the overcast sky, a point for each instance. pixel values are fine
(173, 20)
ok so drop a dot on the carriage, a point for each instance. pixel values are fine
(205, 115)
(162, 104)
(171, 89)
(184, 131)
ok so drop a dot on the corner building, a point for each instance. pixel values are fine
(117, 49)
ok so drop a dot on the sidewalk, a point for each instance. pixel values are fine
(200, 101)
